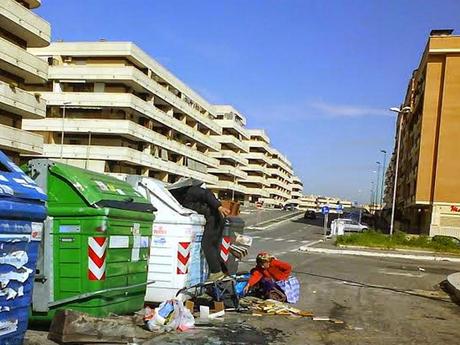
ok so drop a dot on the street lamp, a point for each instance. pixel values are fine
(377, 199)
(401, 111)
(62, 132)
(383, 175)
(372, 197)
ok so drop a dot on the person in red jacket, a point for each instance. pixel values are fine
(268, 271)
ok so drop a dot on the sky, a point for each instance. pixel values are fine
(317, 75)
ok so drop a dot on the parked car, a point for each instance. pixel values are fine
(290, 207)
(347, 225)
(309, 214)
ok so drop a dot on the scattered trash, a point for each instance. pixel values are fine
(358, 328)
(321, 318)
(421, 269)
(169, 316)
(271, 307)
(314, 291)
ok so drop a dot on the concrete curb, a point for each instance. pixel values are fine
(379, 255)
(453, 284)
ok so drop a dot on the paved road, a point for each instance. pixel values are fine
(253, 216)
(380, 301)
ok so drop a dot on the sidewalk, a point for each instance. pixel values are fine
(453, 284)
(328, 247)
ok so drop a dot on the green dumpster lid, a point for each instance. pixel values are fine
(101, 190)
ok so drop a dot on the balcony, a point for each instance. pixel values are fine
(232, 141)
(259, 133)
(124, 128)
(130, 76)
(123, 154)
(258, 156)
(229, 170)
(21, 63)
(262, 145)
(256, 167)
(274, 191)
(231, 124)
(278, 172)
(21, 141)
(24, 24)
(228, 185)
(256, 179)
(17, 101)
(33, 3)
(130, 101)
(257, 191)
(230, 155)
(296, 194)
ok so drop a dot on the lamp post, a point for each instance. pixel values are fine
(401, 111)
(372, 197)
(383, 175)
(63, 128)
(377, 185)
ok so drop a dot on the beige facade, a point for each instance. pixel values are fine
(233, 143)
(21, 29)
(112, 108)
(123, 113)
(428, 191)
(297, 190)
(257, 169)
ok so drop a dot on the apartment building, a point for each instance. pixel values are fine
(297, 190)
(232, 162)
(280, 179)
(315, 202)
(114, 109)
(257, 169)
(428, 188)
(21, 29)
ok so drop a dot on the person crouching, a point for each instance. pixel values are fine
(271, 278)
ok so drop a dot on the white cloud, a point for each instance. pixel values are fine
(337, 110)
(316, 110)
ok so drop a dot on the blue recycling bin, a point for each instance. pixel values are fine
(22, 212)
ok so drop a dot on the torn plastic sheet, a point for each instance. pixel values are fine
(8, 326)
(17, 259)
(11, 293)
(6, 190)
(20, 276)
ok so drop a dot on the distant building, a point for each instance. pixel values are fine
(428, 190)
(315, 202)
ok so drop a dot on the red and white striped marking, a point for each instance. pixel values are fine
(225, 248)
(97, 249)
(183, 257)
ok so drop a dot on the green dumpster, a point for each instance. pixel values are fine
(95, 251)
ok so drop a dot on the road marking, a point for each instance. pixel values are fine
(433, 257)
(266, 238)
(279, 239)
(255, 236)
(405, 274)
(294, 250)
(291, 241)
(282, 253)
(305, 241)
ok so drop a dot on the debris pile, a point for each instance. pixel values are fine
(271, 307)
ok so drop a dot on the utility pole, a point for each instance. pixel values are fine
(383, 175)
